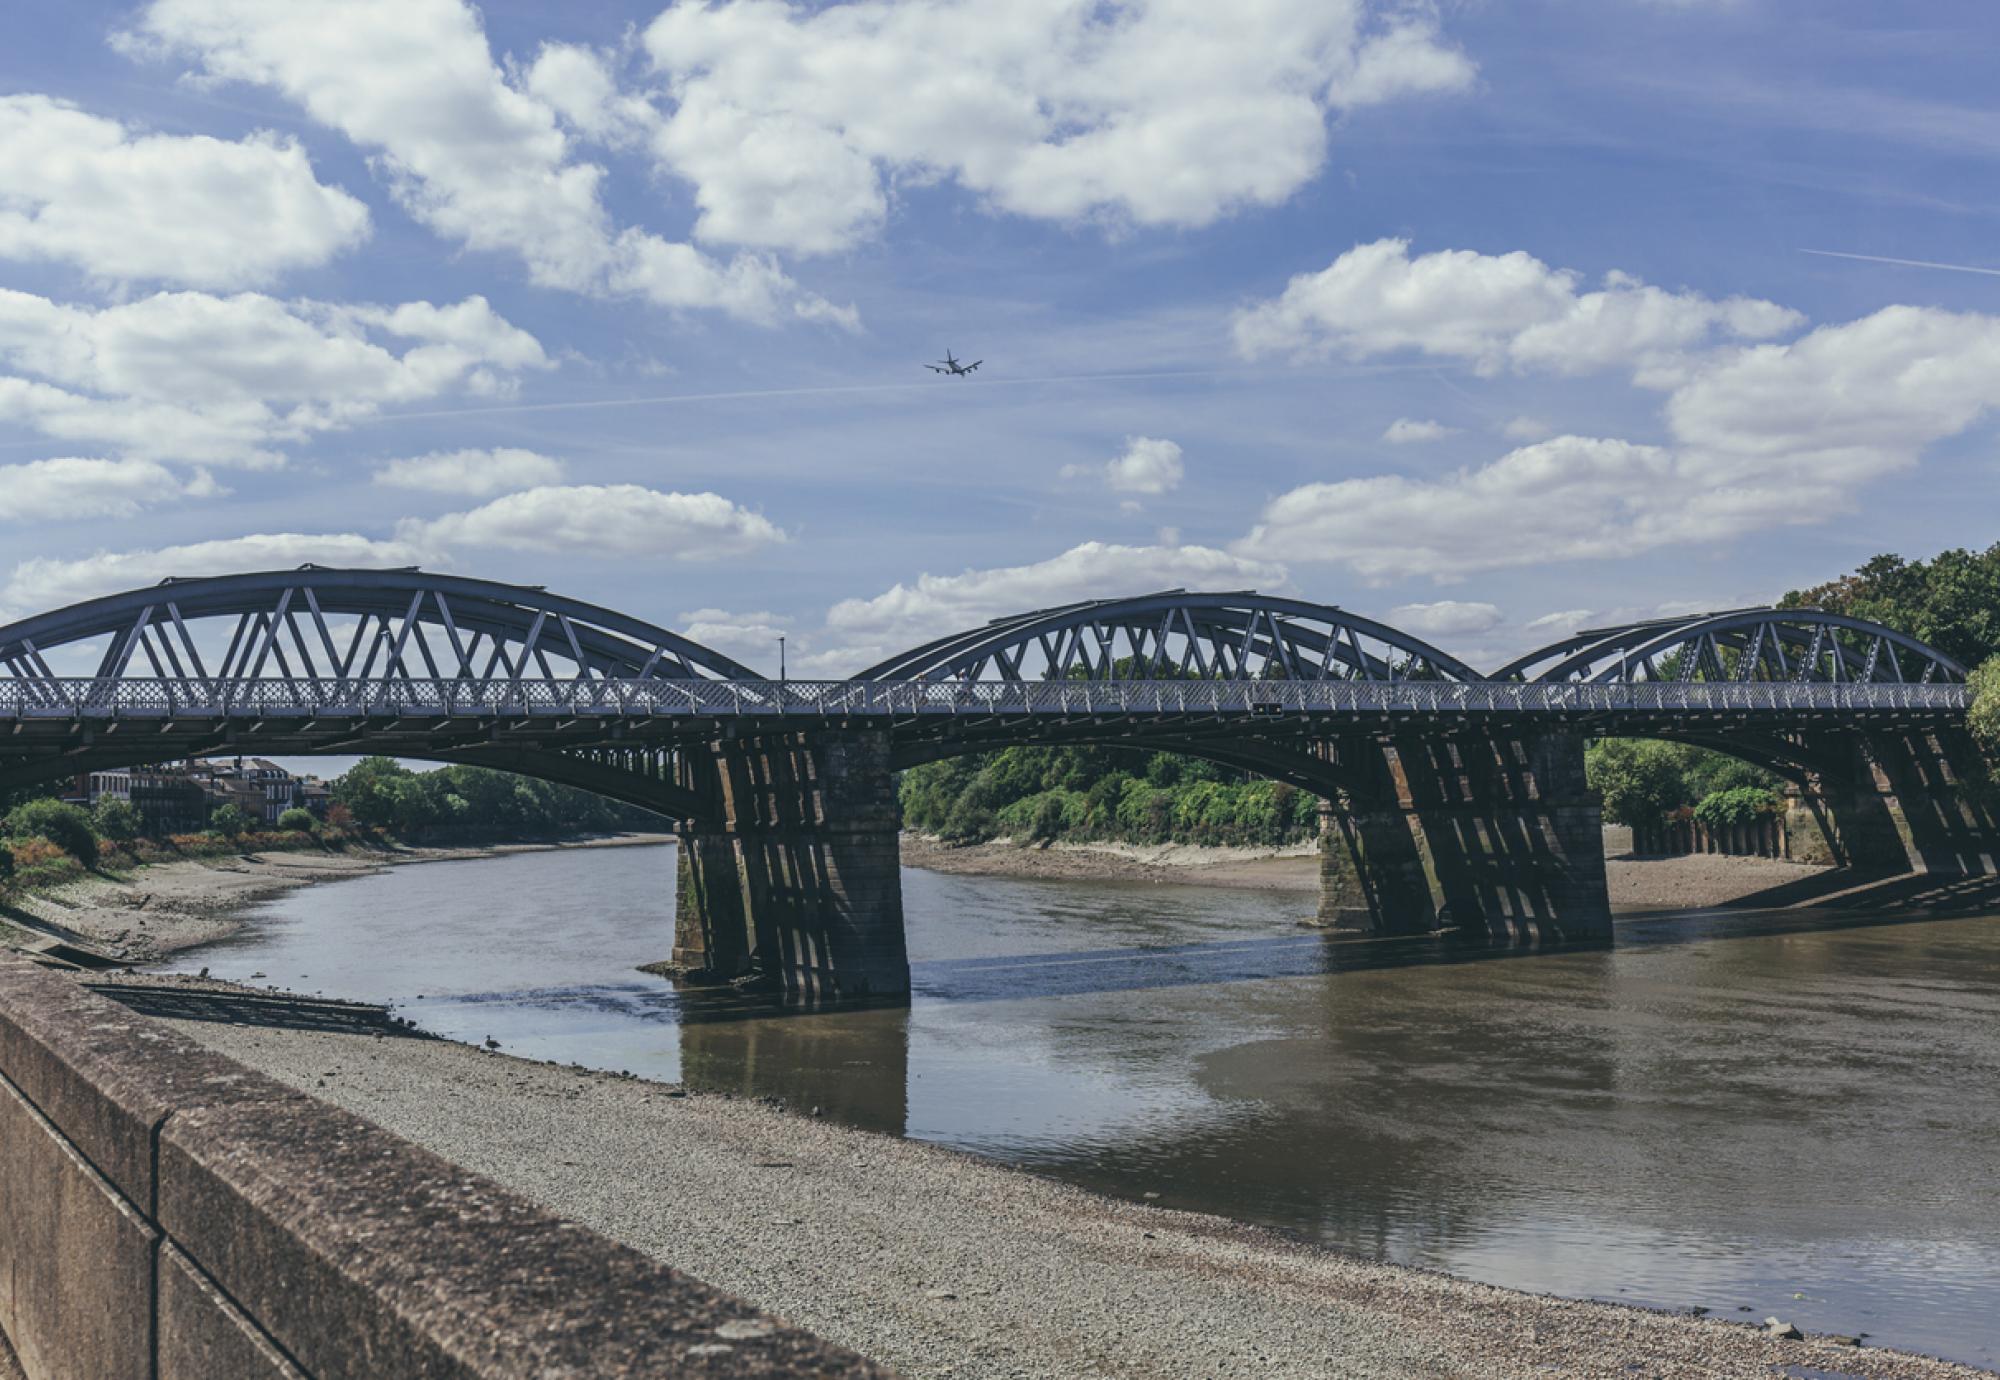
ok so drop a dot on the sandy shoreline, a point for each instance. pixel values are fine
(153, 911)
(934, 1261)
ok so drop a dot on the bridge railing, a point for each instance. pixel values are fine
(306, 696)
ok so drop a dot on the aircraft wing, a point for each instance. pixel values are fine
(974, 365)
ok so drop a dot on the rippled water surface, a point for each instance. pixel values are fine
(1796, 1114)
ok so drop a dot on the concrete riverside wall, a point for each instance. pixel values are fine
(167, 1214)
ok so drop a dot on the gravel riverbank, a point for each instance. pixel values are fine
(945, 1265)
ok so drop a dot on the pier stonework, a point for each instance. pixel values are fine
(1372, 872)
(1513, 832)
(1890, 802)
(794, 877)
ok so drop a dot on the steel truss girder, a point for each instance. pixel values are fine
(1224, 636)
(1803, 646)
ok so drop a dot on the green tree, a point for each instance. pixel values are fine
(115, 819)
(66, 826)
(1737, 805)
(1984, 717)
(298, 820)
(1641, 781)
(230, 821)
(1951, 601)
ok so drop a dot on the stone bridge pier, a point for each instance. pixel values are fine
(789, 877)
(1891, 801)
(1497, 836)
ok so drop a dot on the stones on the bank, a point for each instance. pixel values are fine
(745, 1329)
(1783, 1331)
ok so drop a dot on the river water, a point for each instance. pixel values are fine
(1795, 1114)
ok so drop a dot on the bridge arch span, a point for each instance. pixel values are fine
(1238, 635)
(321, 621)
(1741, 646)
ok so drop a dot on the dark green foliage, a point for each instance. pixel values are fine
(297, 821)
(476, 802)
(1984, 717)
(1951, 601)
(1642, 781)
(230, 821)
(66, 826)
(1737, 805)
(115, 819)
(6, 862)
(1033, 793)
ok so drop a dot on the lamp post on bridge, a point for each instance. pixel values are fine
(781, 658)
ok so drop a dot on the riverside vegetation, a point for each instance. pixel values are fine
(45, 842)
(1043, 794)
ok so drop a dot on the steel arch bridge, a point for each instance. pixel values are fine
(1447, 792)
(455, 669)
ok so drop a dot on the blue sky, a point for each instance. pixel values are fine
(1489, 318)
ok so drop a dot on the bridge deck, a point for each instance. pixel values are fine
(29, 699)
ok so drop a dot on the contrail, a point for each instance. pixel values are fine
(669, 398)
(1906, 263)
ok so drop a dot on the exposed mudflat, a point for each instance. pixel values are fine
(1636, 884)
(944, 1265)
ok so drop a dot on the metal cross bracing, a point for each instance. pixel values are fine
(330, 628)
(1740, 646)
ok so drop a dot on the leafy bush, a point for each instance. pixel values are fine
(115, 819)
(230, 821)
(6, 863)
(1738, 805)
(969, 823)
(297, 821)
(66, 826)
(1984, 717)
(1643, 781)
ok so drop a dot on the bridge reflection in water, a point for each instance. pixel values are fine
(1448, 796)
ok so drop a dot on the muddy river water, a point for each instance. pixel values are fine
(1794, 1114)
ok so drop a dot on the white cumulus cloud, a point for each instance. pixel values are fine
(607, 519)
(1148, 466)
(1760, 436)
(46, 583)
(1406, 431)
(483, 160)
(931, 605)
(71, 487)
(474, 473)
(1494, 311)
(80, 189)
(1446, 618)
(751, 638)
(190, 376)
(795, 123)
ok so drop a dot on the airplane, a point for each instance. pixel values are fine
(952, 366)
